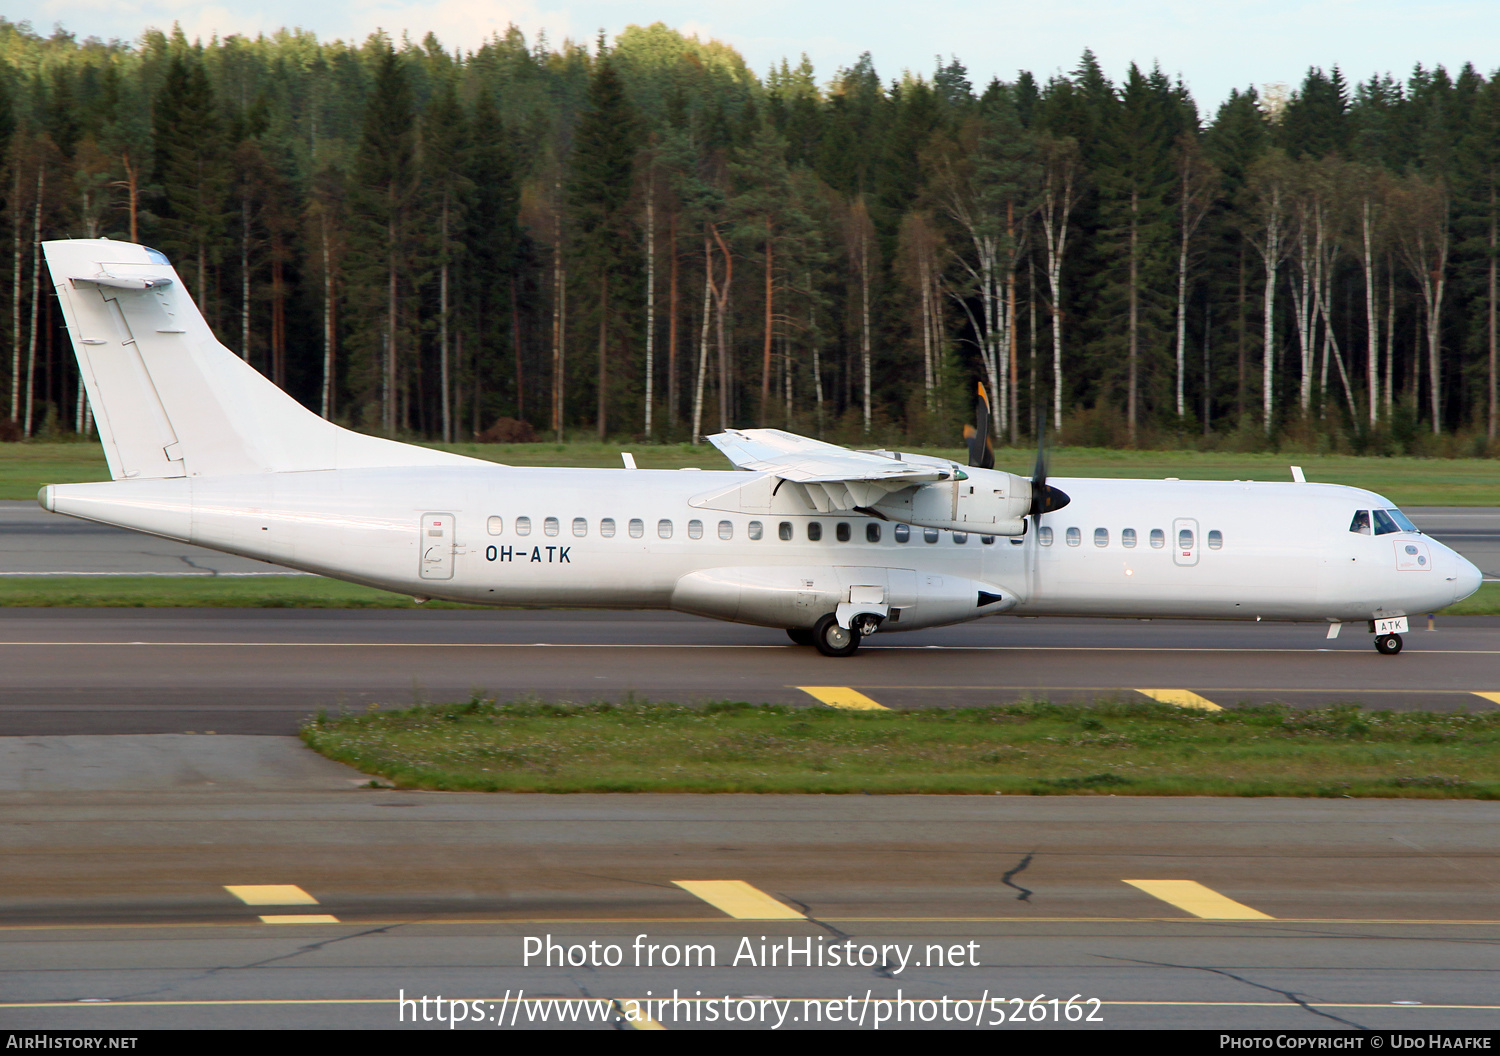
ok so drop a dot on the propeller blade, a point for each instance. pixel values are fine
(981, 451)
(1039, 470)
(1044, 497)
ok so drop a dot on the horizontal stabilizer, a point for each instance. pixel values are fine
(111, 281)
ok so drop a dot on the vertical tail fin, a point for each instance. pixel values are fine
(169, 399)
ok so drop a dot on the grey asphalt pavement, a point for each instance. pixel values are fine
(115, 911)
(261, 671)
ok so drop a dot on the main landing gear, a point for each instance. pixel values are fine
(833, 640)
(1388, 644)
(800, 635)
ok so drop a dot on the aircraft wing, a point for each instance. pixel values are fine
(838, 477)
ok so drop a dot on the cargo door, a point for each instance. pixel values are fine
(436, 546)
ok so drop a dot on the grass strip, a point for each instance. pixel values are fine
(316, 592)
(1032, 748)
(200, 592)
(1405, 481)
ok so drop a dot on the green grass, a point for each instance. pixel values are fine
(1484, 602)
(1406, 481)
(314, 592)
(1033, 748)
(227, 592)
(26, 467)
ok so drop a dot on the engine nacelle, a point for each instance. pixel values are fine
(986, 501)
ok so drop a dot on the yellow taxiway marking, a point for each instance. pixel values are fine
(1198, 900)
(271, 894)
(638, 1020)
(843, 697)
(299, 918)
(739, 899)
(1488, 695)
(1183, 698)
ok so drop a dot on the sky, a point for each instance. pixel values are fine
(1212, 45)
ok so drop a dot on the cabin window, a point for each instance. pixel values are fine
(607, 527)
(872, 532)
(1361, 522)
(580, 526)
(637, 527)
(960, 537)
(495, 525)
(756, 530)
(814, 530)
(989, 540)
(550, 526)
(901, 533)
(1384, 525)
(523, 525)
(1127, 538)
(1044, 535)
(784, 530)
(1216, 540)
(695, 529)
(1158, 538)
(726, 530)
(1074, 536)
(664, 528)
(1101, 536)
(929, 535)
(1185, 539)
(841, 531)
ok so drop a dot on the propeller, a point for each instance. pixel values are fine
(1044, 497)
(981, 451)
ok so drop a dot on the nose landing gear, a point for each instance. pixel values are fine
(1388, 644)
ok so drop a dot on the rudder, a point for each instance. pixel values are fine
(169, 399)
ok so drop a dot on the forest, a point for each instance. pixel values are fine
(643, 238)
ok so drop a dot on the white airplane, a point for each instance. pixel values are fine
(831, 544)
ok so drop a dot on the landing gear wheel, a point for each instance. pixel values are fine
(1389, 644)
(800, 635)
(833, 640)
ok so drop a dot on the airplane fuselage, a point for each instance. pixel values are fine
(733, 546)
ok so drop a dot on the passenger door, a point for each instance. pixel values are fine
(1185, 541)
(436, 546)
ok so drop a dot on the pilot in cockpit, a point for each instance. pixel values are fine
(1361, 522)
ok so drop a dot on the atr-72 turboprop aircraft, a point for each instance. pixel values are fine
(830, 544)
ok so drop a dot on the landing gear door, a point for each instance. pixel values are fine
(1185, 541)
(436, 546)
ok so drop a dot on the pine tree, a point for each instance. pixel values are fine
(599, 191)
(494, 249)
(384, 200)
(192, 169)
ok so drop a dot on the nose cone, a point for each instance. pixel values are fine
(1467, 577)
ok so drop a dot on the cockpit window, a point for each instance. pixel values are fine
(1384, 524)
(1361, 522)
(1402, 521)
